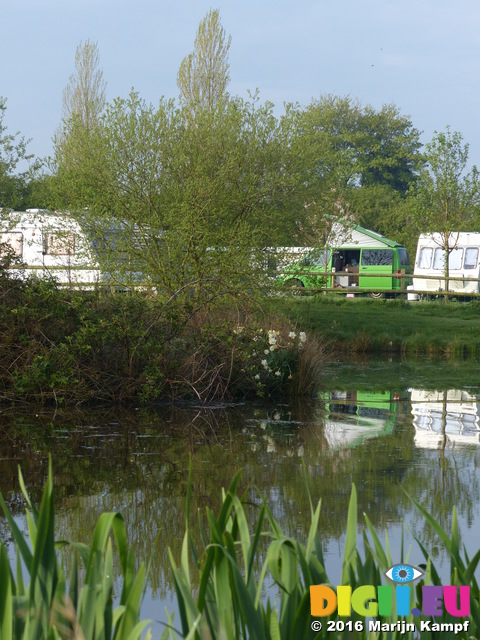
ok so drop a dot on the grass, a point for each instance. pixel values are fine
(239, 584)
(387, 326)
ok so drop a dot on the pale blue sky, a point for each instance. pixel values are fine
(422, 55)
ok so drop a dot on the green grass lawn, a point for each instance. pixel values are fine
(387, 326)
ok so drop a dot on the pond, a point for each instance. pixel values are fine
(388, 427)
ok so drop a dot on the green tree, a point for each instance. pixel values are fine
(355, 158)
(186, 206)
(446, 197)
(14, 181)
(203, 75)
(84, 99)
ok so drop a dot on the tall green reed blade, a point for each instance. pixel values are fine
(218, 525)
(44, 570)
(6, 596)
(350, 551)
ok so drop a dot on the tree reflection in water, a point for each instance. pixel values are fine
(136, 461)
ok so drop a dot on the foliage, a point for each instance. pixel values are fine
(186, 206)
(446, 196)
(203, 76)
(256, 585)
(14, 180)
(79, 606)
(70, 346)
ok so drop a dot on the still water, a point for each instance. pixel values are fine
(390, 428)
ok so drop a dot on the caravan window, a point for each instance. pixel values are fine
(471, 258)
(439, 259)
(425, 258)
(14, 240)
(59, 243)
(377, 257)
(455, 259)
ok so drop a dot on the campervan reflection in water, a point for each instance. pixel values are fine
(355, 416)
(445, 418)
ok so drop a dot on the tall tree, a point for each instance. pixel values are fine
(203, 75)
(84, 95)
(84, 100)
(355, 159)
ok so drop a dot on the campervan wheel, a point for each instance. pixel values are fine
(296, 287)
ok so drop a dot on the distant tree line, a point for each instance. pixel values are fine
(194, 185)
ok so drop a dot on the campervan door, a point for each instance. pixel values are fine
(463, 265)
(49, 245)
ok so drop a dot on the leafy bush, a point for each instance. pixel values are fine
(69, 346)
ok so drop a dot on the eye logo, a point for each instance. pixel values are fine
(403, 573)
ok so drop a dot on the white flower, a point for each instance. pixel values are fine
(277, 373)
(272, 348)
(266, 352)
(292, 334)
(302, 336)
(264, 363)
(257, 377)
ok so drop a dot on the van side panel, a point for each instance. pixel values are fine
(376, 261)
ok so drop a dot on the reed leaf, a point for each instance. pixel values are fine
(350, 550)
(6, 622)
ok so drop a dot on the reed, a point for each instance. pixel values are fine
(234, 601)
(240, 584)
(48, 606)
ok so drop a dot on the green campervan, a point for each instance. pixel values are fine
(359, 259)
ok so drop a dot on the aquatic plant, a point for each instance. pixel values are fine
(52, 606)
(239, 584)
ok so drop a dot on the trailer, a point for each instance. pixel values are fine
(48, 245)
(463, 265)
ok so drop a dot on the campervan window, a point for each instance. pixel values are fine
(317, 259)
(59, 244)
(403, 258)
(471, 258)
(377, 257)
(15, 241)
(425, 259)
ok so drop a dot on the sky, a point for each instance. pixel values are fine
(421, 55)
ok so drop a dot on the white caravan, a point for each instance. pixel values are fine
(49, 245)
(463, 265)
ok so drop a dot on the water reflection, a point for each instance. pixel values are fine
(445, 418)
(136, 461)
